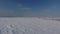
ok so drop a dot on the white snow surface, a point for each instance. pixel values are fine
(29, 26)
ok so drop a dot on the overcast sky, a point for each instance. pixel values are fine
(30, 8)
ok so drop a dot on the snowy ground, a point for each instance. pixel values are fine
(29, 26)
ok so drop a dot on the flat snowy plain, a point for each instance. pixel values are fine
(29, 26)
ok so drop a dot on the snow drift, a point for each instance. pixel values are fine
(29, 26)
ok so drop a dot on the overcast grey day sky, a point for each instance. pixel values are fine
(36, 8)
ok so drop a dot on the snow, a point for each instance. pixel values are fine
(29, 26)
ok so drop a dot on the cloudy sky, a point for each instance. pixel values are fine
(49, 8)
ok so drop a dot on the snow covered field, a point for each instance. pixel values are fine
(29, 26)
